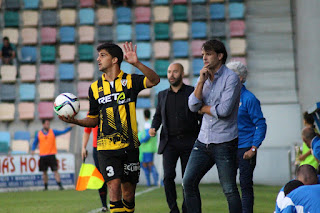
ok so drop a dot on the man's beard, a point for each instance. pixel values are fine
(177, 82)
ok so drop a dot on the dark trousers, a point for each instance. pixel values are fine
(246, 168)
(201, 160)
(104, 189)
(176, 148)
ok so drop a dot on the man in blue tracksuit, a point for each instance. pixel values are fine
(302, 199)
(252, 129)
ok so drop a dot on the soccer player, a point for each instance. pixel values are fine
(112, 106)
(86, 134)
(46, 138)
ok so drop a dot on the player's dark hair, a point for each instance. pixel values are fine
(216, 46)
(113, 49)
(308, 118)
(292, 185)
(5, 38)
(307, 174)
(44, 120)
(146, 113)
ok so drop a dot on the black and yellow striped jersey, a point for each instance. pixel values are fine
(115, 104)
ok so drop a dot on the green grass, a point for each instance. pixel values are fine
(213, 200)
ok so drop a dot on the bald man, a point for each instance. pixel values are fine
(180, 128)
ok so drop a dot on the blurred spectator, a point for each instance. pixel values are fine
(306, 157)
(312, 140)
(7, 53)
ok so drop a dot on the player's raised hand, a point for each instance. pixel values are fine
(130, 53)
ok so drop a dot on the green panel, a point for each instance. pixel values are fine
(11, 19)
(161, 31)
(161, 67)
(48, 53)
(180, 13)
(85, 52)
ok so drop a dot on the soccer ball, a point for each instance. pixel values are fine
(66, 104)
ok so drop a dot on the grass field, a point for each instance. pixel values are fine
(154, 201)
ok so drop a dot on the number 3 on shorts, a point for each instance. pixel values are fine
(110, 171)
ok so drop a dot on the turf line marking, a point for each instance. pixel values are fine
(137, 194)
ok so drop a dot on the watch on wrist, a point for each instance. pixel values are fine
(253, 149)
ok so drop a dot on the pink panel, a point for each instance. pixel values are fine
(45, 110)
(47, 72)
(86, 3)
(83, 88)
(196, 47)
(237, 28)
(48, 35)
(142, 14)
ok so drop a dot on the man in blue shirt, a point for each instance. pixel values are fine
(252, 130)
(216, 96)
(312, 140)
(302, 199)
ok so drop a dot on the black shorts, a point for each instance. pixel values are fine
(123, 164)
(48, 161)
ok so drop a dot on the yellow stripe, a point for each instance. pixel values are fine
(106, 87)
(118, 85)
(94, 88)
(106, 144)
(129, 81)
(145, 82)
(134, 127)
(110, 117)
(128, 210)
(92, 116)
(116, 210)
(123, 118)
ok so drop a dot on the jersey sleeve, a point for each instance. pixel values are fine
(93, 105)
(139, 82)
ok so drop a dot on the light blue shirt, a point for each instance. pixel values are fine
(223, 95)
(315, 144)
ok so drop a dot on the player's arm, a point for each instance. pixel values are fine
(85, 140)
(131, 57)
(85, 122)
(34, 144)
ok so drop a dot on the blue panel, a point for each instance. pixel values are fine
(217, 11)
(236, 10)
(123, 15)
(4, 142)
(163, 84)
(8, 92)
(66, 72)
(86, 16)
(143, 103)
(199, 30)
(67, 35)
(180, 49)
(197, 65)
(22, 135)
(31, 4)
(147, 63)
(161, 2)
(124, 32)
(126, 67)
(143, 50)
(27, 92)
(142, 32)
(198, 1)
(28, 54)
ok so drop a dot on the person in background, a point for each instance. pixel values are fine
(46, 138)
(306, 157)
(216, 96)
(180, 128)
(147, 149)
(252, 130)
(7, 53)
(310, 137)
(84, 154)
